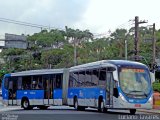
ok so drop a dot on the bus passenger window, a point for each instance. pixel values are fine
(6, 83)
(26, 82)
(95, 77)
(88, 78)
(58, 83)
(10, 85)
(37, 82)
(102, 77)
(27, 86)
(81, 79)
(34, 84)
(71, 80)
(40, 85)
(76, 81)
(37, 86)
(19, 83)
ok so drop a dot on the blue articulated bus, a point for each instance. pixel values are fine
(110, 84)
(106, 84)
(34, 88)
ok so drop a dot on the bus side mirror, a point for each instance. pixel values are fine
(152, 75)
(115, 92)
(115, 75)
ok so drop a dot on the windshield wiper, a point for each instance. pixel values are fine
(134, 91)
(145, 94)
(137, 91)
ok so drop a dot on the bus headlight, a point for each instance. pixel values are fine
(150, 100)
(122, 97)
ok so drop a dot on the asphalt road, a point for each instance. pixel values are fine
(67, 113)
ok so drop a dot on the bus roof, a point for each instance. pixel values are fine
(109, 62)
(81, 67)
(37, 72)
(126, 62)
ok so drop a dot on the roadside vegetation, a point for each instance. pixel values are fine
(55, 49)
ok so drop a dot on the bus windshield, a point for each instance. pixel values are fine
(135, 82)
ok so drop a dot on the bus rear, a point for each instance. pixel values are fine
(5, 93)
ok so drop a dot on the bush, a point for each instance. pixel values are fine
(156, 86)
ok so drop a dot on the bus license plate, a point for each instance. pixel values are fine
(137, 105)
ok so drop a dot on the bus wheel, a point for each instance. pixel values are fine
(82, 108)
(132, 111)
(76, 104)
(25, 104)
(105, 110)
(101, 106)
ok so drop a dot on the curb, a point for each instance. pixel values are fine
(150, 111)
(8, 109)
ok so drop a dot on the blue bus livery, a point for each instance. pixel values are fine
(110, 84)
(106, 84)
(39, 88)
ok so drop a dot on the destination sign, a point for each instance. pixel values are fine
(132, 70)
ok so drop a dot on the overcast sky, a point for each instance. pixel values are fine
(99, 16)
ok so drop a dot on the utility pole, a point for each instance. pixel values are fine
(126, 49)
(136, 39)
(154, 47)
(126, 45)
(75, 53)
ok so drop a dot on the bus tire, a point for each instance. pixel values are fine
(76, 104)
(105, 110)
(101, 107)
(77, 107)
(26, 105)
(81, 108)
(132, 111)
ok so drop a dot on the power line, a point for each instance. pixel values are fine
(123, 24)
(24, 23)
(20, 24)
(109, 32)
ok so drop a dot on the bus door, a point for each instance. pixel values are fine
(57, 96)
(12, 92)
(48, 90)
(109, 89)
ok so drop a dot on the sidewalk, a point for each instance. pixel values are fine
(4, 109)
(149, 111)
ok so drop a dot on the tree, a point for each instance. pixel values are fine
(76, 37)
(52, 38)
(58, 48)
(118, 38)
